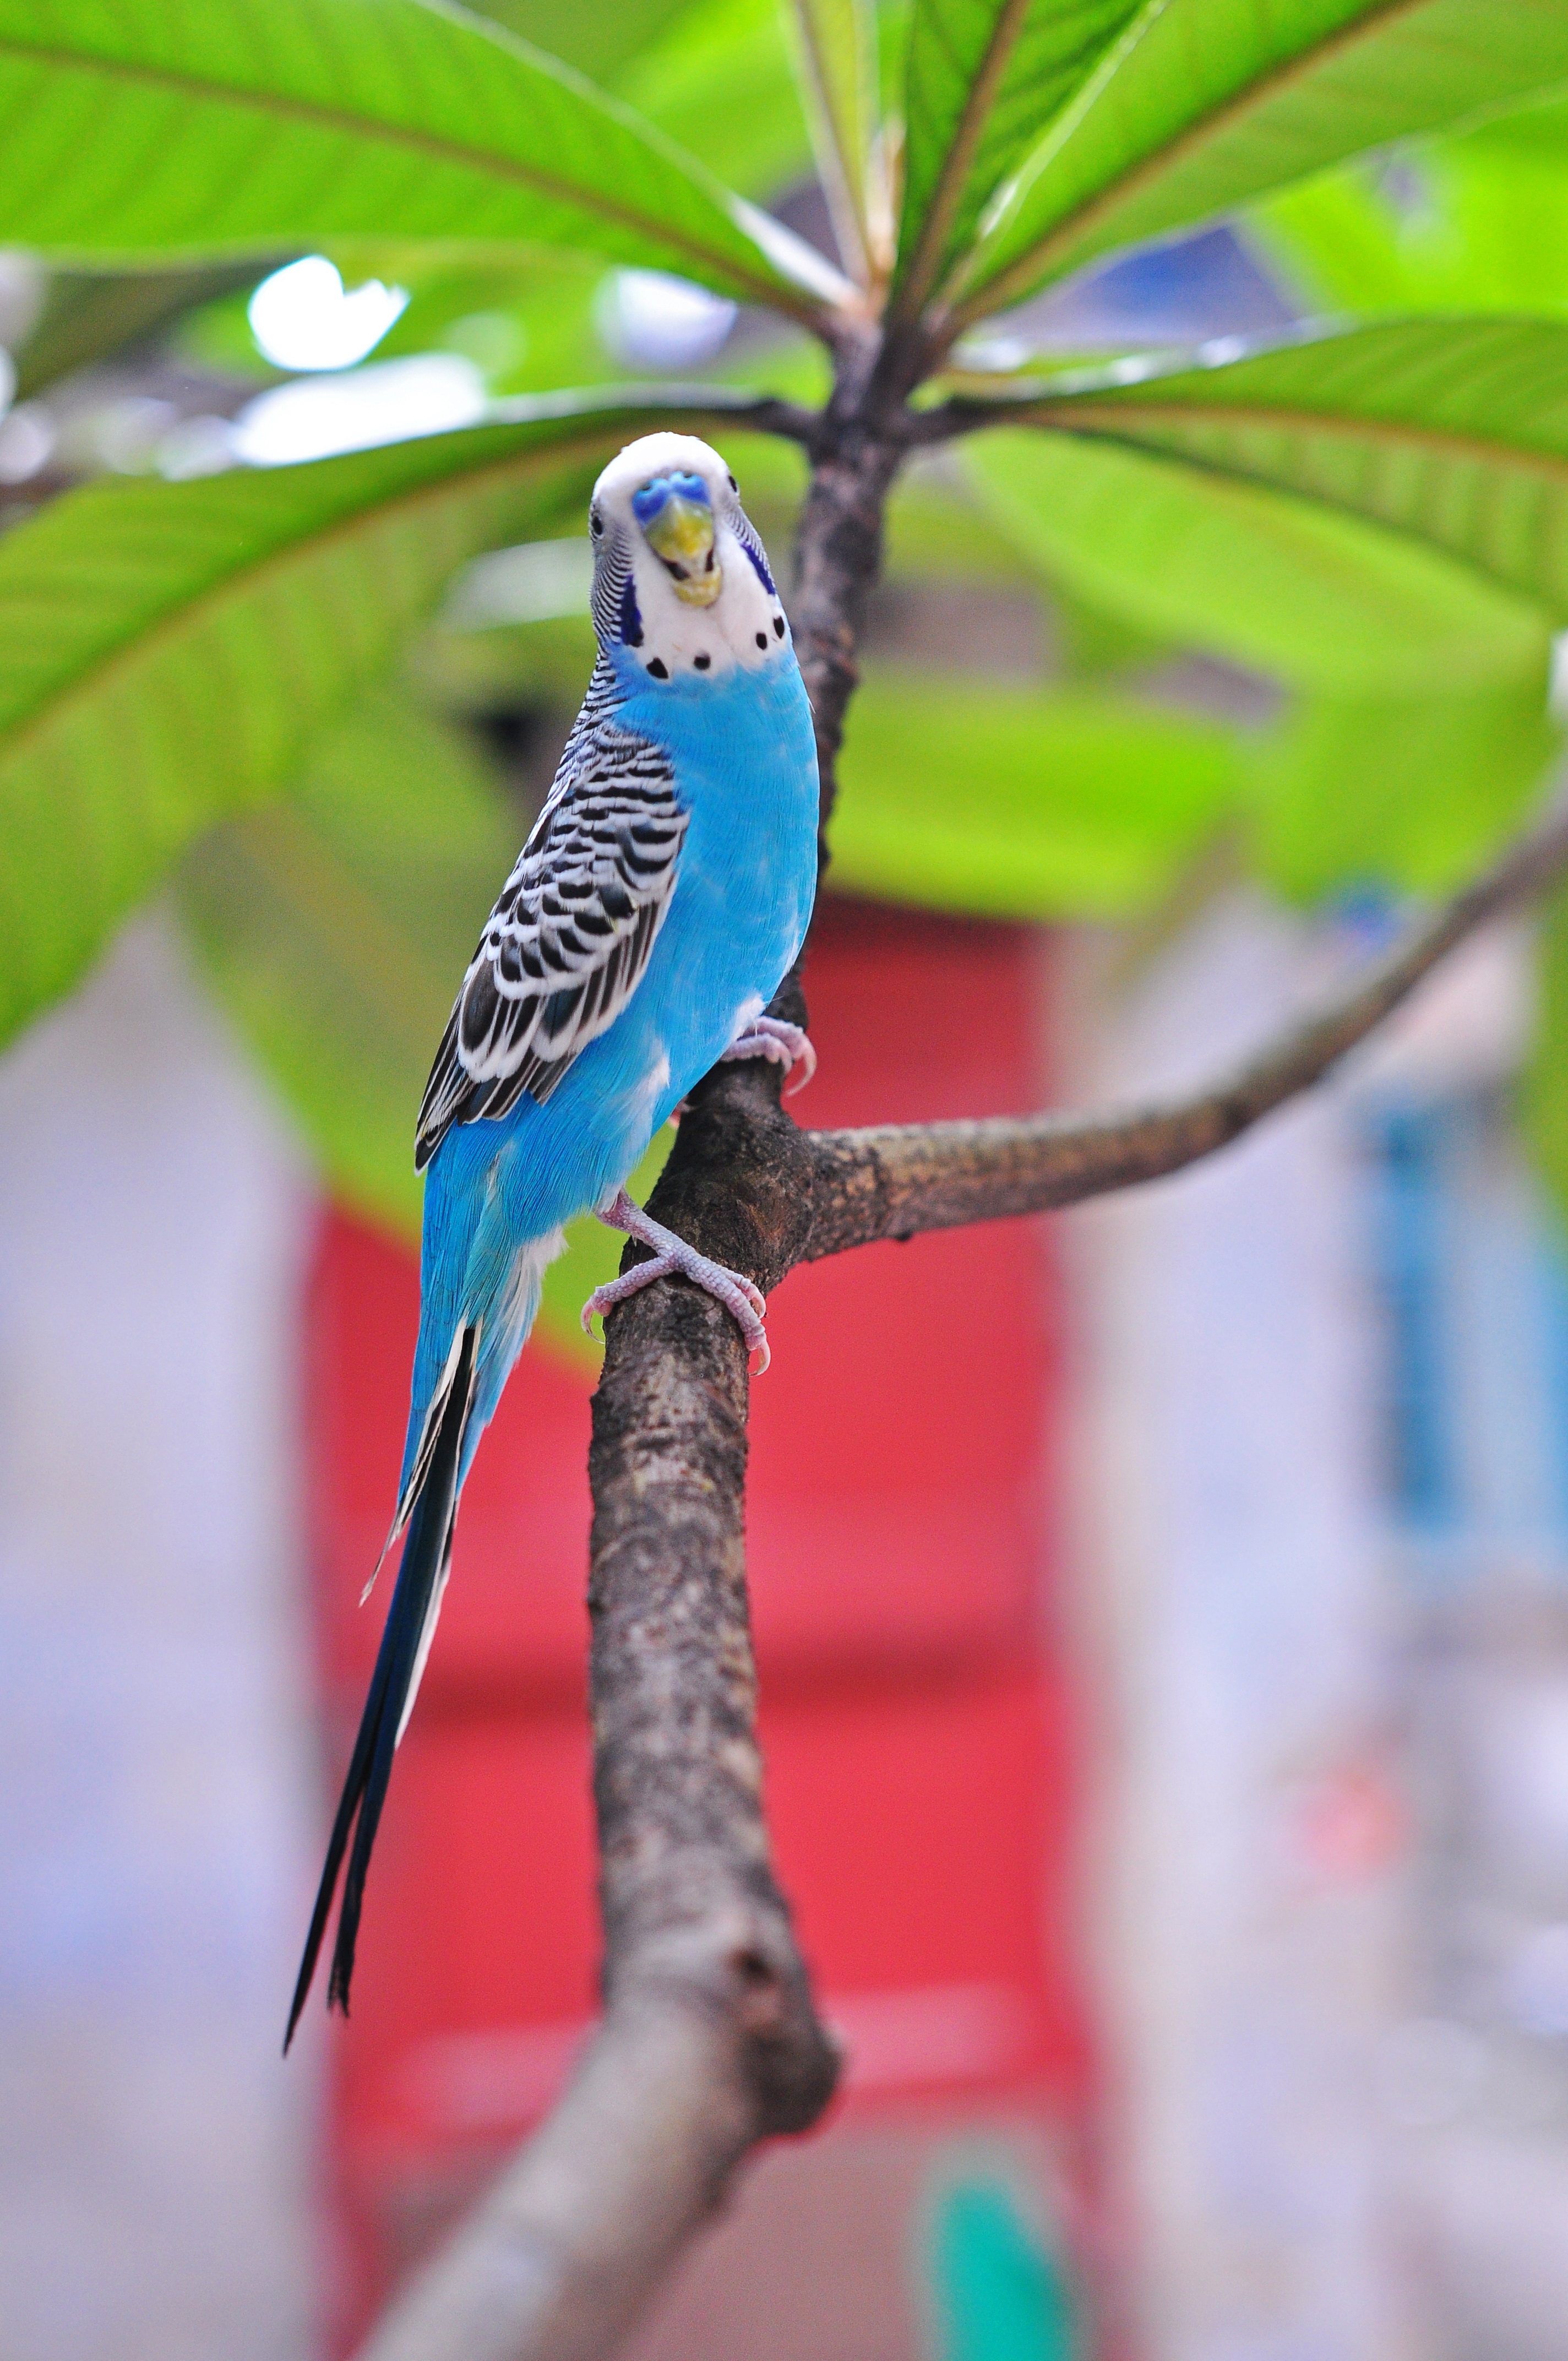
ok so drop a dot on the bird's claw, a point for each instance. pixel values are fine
(784, 1044)
(745, 1302)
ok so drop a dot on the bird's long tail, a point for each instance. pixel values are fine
(400, 1661)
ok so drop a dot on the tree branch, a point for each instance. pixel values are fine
(708, 2043)
(838, 558)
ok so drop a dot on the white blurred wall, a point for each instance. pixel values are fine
(1326, 1868)
(157, 2158)
(1243, 1855)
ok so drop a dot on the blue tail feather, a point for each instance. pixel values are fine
(426, 1552)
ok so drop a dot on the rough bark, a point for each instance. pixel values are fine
(839, 557)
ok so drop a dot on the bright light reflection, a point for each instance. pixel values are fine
(302, 317)
(317, 416)
(1557, 695)
(652, 321)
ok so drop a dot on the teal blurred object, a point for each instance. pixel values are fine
(997, 2295)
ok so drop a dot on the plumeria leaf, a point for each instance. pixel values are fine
(1473, 223)
(1454, 431)
(141, 135)
(982, 79)
(1022, 802)
(1410, 793)
(1416, 722)
(721, 82)
(835, 46)
(1264, 577)
(1205, 103)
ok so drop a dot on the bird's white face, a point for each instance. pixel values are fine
(681, 582)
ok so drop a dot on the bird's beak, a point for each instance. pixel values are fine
(677, 525)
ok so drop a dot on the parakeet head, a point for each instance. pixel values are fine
(682, 585)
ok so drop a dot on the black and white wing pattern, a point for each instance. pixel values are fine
(567, 942)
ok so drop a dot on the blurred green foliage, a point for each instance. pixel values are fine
(1473, 223)
(963, 794)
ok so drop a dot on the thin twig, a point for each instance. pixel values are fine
(900, 1178)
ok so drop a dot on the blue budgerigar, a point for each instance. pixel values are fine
(660, 900)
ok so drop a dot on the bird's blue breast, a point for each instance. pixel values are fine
(744, 759)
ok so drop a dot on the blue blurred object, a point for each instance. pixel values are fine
(1471, 1272)
(997, 2295)
(1184, 290)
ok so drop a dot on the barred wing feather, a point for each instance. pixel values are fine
(568, 940)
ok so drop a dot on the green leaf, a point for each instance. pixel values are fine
(1477, 223)
(303, 912)
(599, 41)
(168, 650)
(1419, 719)
(1021, 803)
(982, 79)
(336, 928)
(1455, 432)
(721, 82)
(1408, 791)
(1342, 244)
(140, 134)
(1262, 576)
(835, 48)
(1205, 103)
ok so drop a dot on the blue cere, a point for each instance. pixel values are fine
(647, 503)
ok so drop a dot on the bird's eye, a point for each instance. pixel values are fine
(596, 522)
(733, 485)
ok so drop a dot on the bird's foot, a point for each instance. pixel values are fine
(674, 1259)
(787, 1045)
